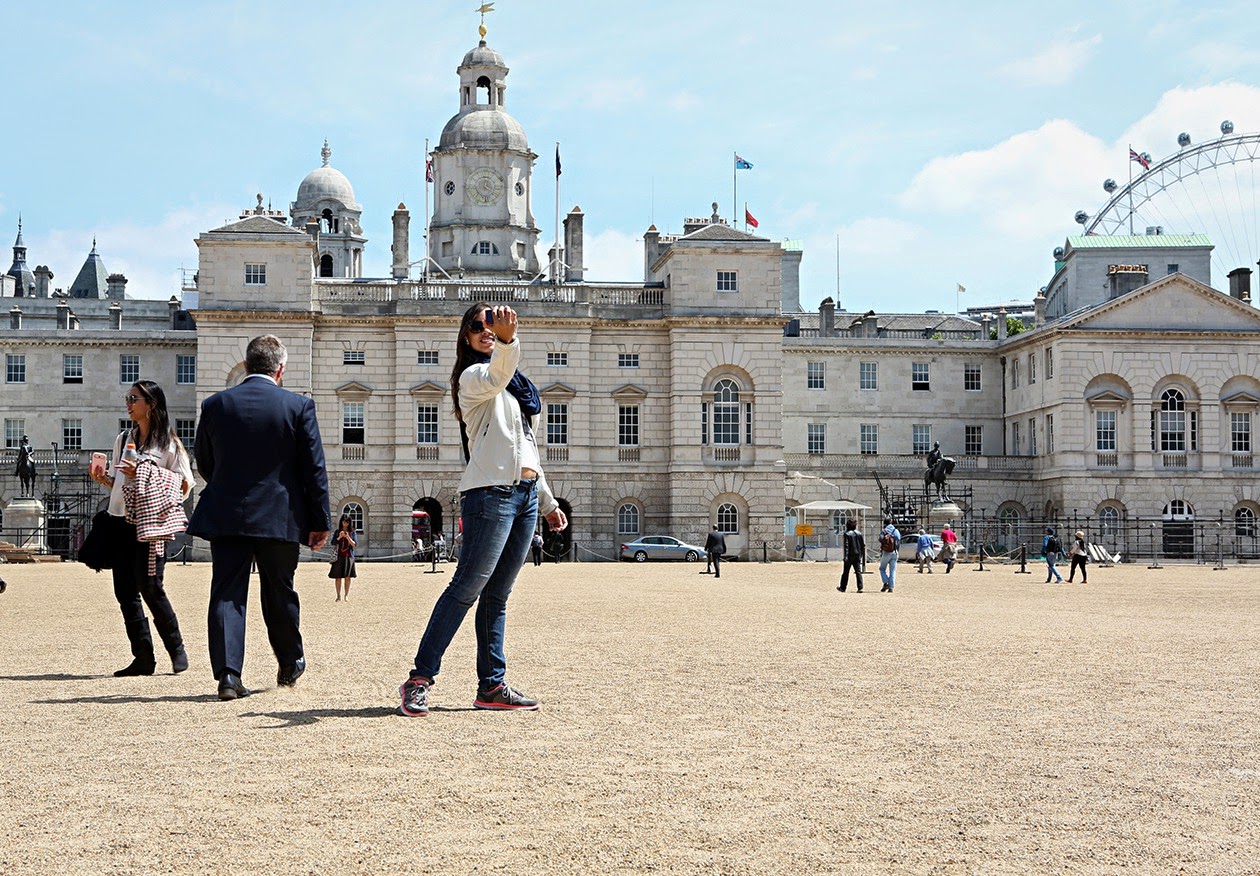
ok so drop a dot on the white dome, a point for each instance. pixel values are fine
(484, 128)
(323, 184)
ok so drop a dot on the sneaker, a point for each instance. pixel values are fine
(503, 697)
(415, 698)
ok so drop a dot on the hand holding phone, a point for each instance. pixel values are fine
(98, 464)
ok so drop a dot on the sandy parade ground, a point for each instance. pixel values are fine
(758, 724)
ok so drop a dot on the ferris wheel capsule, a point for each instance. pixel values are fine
(1081, 217)
(1227, 127)
(1109, 185)
(1183, 139)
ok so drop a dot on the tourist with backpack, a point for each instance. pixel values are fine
(1052, 550)
(889, 543)
(1079, 557)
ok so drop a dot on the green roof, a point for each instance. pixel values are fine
(1137, 241)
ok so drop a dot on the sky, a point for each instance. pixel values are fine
(910, 147)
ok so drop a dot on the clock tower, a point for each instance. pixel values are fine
(482, 223)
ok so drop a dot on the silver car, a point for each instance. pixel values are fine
(660, 547)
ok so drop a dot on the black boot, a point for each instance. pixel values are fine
(141, 649)
(168, 630)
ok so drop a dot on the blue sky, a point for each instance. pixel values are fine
(940, 145)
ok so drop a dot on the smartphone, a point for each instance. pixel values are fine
(489, 320)
(98, 462)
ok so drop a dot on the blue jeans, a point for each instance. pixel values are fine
(499, 525)
(888, 568)
(1051, 558)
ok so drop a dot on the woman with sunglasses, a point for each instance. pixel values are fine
(502, 493)
(155, 440)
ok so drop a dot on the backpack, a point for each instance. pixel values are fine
(887, 542)
(1053, 545)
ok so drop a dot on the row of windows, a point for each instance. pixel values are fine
(630, 519)
(868, 439)
(1047, 357)
(1173, 428)
(72, 432)
(353, 424)
(432, 357)
(868, 376)
(72, 368)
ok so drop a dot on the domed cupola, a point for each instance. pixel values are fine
(482, 166)
(325, 196)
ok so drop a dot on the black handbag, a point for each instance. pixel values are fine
(101, 543)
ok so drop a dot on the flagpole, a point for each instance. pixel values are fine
(1130, 163)
(838, 306)
(555, 268)
(745, 217)
(734, 183)
(424, 271)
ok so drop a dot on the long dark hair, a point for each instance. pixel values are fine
(465, 355)
(161, 435)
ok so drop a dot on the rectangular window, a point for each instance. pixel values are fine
(186, 430)
(128, 368)
(255, 275)
(973, 440)
(727, 281)
(868, 375)
(13, 432)
(748, 423)
(816, 438)
(1105, 431)
(920, 376)
(557, 360)
(1049, 364)
(427, 357)
(1015, 439)
(353, 422)
(627, 360)
(557, 424)
(704, 422)
(426, 424)
(1173, 267)
(71, 434)
(71, 368)
(1032, 368)
(921, 439)
(15, 368)
(126, 425)
(971, 377)
(1240, 432)
(627, 425)
(1049, 433)
(815, 375)
(868, 439)
(1032, 437)
(1014, 373)
(353, 357)
(186, 370)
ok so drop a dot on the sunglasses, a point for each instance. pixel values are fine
(476, 327)
(132, 399)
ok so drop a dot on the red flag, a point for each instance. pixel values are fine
(749, 219)
(428, 170)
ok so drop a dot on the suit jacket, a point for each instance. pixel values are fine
(259, 450)
(715, 543)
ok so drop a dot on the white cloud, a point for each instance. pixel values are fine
(614, 256)
(683, 101)
(1056, 64)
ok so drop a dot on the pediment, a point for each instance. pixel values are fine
(629, 392)
(1107, 398)
(354, 390)
(1240, 399)
(1172, 303)
(558, 390)
(428, 388)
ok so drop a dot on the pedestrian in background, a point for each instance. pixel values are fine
(889, 544)
(854, 555)
(925, 551)
(535, 547)
(949, 547)
(714, 547)
(1051, 549)
(1080, 556)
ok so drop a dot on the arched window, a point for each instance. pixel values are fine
(1245, 522)
(1178, 509)
(628, 519)
(1108, 523)
(1009, 519)
(325, 265)
(726, 412)
(484, 247)
(1172, 421)
(354, 511)
(727, 518)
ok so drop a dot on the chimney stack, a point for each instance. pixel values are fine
(1123, 279)
(573, 243)
(1240, 284)
(651, 251)
(63, 315)
(116, 287)
(43, 281)
(115, 316)
(15, 317)
(402, 244)
(1001, 323)
(827, 318)
(172, 308)
(1039, 310)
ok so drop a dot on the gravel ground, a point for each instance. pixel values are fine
(758, 724)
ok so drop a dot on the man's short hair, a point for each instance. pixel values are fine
(887, 520)
(265, 355)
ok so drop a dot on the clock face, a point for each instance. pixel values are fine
(484, 186)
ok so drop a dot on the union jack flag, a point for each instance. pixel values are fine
(1134, 156)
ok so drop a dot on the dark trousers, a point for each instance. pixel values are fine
(856, 566)
(537, 554)
(716, 559)
(229, 591)
(134, 588)
(1078, 560)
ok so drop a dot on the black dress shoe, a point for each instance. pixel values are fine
(230, 687)
(136, 667)
(288, 675)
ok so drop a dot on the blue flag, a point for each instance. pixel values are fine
(741, 164)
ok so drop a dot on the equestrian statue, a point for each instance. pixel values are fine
(939, 468)
(26, 466)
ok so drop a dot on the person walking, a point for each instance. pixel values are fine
(535, 546)
(714, 547)
(889, 544)
(1051, 549)
(342, 568)
(949, 547)
(502, 492)
(259, 450)
(1080, 556)
(925, 551)
(854, 555)
(154, 439)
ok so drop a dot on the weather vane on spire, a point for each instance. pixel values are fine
(483, 9)
(325, 153)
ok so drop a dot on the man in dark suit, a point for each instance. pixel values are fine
(259, 451)
(715, 546)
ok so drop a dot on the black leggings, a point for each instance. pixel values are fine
(1077, 560)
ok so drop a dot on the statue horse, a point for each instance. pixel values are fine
(26, 471)
(937, 474)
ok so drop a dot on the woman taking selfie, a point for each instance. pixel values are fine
(154, 439)
(343, 560)
(502, 492)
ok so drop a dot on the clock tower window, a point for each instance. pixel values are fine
(484, 247)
